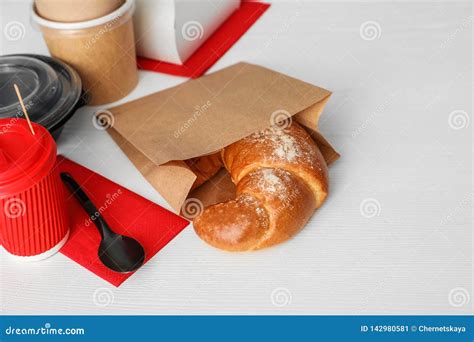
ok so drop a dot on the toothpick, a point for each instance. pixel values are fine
(23, 107)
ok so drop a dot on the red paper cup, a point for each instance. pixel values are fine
(33, 217)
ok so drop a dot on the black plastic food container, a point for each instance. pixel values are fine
(51, 90)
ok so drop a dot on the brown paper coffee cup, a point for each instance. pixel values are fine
(101, 50)
(75, 10)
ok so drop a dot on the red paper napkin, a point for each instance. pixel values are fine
(214, 47)
(126, 212)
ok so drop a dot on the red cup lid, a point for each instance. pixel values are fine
(24, 158)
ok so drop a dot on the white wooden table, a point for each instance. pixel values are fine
(395, 235)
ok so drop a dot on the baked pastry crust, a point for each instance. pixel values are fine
(204, 167)
(281, 178)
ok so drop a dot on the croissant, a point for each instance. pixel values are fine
(204, 167)
(281, 177)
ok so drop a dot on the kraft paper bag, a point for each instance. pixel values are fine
(202, 116)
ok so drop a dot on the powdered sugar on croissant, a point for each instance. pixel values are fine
(281, 178)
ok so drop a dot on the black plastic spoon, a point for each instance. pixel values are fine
(118, 252)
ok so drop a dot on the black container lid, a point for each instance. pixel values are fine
(50, 89)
